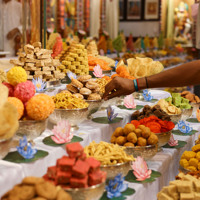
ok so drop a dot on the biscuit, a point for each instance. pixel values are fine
(46, 190)
(94, 96)
(78, 95)
(85, 91)
(76, 83)
(84, 78)
(72, 89)
(62, 195)
(27, 192)
(92, 85)
(32, 180)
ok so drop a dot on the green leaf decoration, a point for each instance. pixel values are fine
(17, 158)
(180, 145)
(93, 111)
(130, 177)
(48, 141)
(104, 120)
(152, 100)
(128, 192)
(193, 120)
(138, 107)
(178, 132)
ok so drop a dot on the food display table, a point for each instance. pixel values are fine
(165, 161)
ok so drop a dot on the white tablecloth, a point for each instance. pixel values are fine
(166, 161)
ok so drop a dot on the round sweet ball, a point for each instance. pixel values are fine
(10, 89)
(18, 104)
(40, 107)
(128, 128)
(24, 91)
(16, 75)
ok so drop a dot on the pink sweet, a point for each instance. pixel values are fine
(24, 91)
(10, 89)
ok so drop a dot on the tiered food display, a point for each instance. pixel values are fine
(76, 60)
(38, 63)
(190, 159)
(130, 136)
(75, 170)
(92, 49)
(85, 88)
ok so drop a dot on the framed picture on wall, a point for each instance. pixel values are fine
(121, 9)
(133, 9)
(151, 9)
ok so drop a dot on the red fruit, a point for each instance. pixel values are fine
(10, 88)
(24, 91)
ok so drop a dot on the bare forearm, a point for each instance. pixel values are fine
(183, 75)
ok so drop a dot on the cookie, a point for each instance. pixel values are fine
(76, 83)
(72, 89)
(92, 85)
(85, 91)
(78, 95)
(32, 180)
(46, 190)
(84, 78)
(94, 96)
(62, 195)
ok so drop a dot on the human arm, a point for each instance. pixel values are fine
(183, 75)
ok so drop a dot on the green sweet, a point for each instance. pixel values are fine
(184, 100)
(185, 106)
(176, 95)
(176, 101)
(169, 99)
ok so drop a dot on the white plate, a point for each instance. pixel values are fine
(159, 94)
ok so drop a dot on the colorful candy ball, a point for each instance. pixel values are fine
(18, 104)
(10, 89)
(16, 75)
(40, 107)
(24, 91)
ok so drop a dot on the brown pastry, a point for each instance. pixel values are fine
(85, 91)
(94, 96)
(72, 89)
(76, 83)
(84, 78)
(92, 85)
(78, 95)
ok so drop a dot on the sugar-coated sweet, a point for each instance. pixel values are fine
(16, 75)
(74, 149)
(24, 91)
(18, 104)
(40, 107)
(10, 89)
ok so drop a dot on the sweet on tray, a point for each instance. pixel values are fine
(75, 171)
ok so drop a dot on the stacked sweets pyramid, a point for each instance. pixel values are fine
(38, 63)
(76, 60)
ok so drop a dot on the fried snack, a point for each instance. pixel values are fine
(72, 89)
(68, 101)
(141, 67)
(78, 95)
(142, 141)
(92, 85)
(191, 97)
(84, 78)
(102, 83)
(76, 83)
(196, 148)
(94, 96)
(128, 128)
(107, 154)
(131, 137)
(118, 132)
(85, 91)
(121, 140)
(168, 107)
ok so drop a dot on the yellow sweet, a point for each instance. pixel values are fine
(188, 155)
(184, 163)
(193, 162)
(198, 166)
(198, 156)
(192, 168)
(16, 75)
(196, 148)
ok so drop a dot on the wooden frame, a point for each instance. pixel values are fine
(151, 10)
(127, 17)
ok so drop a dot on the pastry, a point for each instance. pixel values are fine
(94, 96)
(72, 89)
(84, 78)
(85, 91)
(92, 85)
(78, 95)
(76, 83)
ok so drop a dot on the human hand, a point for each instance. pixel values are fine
(12, 33)
(118, 87)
